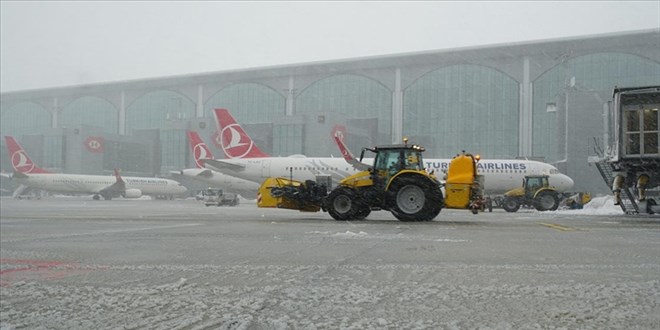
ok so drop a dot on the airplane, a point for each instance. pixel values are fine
(216, 179)
(500, 175)
(27, 173)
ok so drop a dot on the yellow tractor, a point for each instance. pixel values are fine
(535, 192)
(397, 182)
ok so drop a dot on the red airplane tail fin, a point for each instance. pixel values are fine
(199, 149)
(20, 160)
(236, 143)
(118, 176)
(338, 133)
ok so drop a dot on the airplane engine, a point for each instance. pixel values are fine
(132, 193)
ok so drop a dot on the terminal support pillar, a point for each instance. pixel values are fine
(56, 113)
(525, 123)
(397, 109)
(122, 114)
(290, 97)
(200, 101)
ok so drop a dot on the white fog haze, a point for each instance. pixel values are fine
(48, 44)
(309, 165)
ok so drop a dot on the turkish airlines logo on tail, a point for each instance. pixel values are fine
(21, 162)
(235, 142)
(339, 131)
(201, 151)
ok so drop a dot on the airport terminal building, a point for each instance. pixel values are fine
(544, 99)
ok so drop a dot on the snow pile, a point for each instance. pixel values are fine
(603, 205)
(350, 234)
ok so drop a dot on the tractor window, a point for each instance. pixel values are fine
(413, 160)
(397, 160)
(389, 160)
(533, 183)
(382, 161)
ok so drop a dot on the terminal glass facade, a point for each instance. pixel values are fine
(24, 119)
(248, 103)
(288, 139)
(173, 152)
(463, 107)
(355, 97)
(53, 152)
(91, 111)
(157, 110)
(163, 110)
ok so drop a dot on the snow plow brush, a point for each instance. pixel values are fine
(291, 194)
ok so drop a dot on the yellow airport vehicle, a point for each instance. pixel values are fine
(396, 182)
(535, 192)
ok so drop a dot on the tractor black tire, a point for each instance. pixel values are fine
(546, 200)
(341, 204)
(510, 204)
(362, 213)
(414, 198)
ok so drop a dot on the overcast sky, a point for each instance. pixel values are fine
(49, 44)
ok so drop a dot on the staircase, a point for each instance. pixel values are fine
(628, 204)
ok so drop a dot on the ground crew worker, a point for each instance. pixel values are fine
(642, 182)
(617, 184)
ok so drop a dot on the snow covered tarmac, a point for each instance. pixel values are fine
(76, 263)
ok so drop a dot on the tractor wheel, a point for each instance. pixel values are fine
(362, 213)
(546, 200)
(414, 198)
(341, 204)
(510, 204)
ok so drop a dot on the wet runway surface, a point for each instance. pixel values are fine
(77, 263)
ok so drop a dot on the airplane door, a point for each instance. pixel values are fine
(265, 168)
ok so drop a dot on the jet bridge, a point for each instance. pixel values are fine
(631, 163)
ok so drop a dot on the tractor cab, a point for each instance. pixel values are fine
(393, 159)
(533, 183)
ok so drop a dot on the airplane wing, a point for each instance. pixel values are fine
(115, 189)
(219, 165)
(348, 155)
(19, 175)
(196, 172)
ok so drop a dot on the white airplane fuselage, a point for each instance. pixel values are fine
(500, 175)
(94, 184)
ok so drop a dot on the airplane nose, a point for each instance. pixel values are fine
(563, 182)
